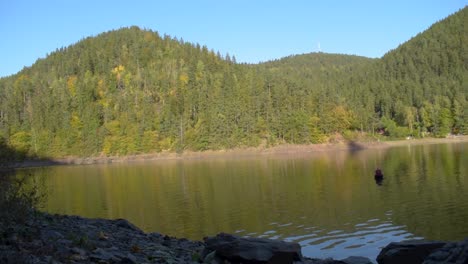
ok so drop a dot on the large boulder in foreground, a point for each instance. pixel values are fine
(408, 252)
(234, 249)
(454, 252)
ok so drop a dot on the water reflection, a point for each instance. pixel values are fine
(378, 180)
(326, 201)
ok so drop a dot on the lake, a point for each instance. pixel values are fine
(328, 202)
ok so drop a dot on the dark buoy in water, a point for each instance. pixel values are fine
(378, 174)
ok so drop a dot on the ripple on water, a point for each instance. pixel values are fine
(269, 232)
(335, 232)
(333, 244)
(363, 239)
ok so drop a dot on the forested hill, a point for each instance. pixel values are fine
(133, 91)
(424, 82)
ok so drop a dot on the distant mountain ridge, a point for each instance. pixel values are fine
(132, 91)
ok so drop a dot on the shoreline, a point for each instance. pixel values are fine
(53, 238)
(282, 149)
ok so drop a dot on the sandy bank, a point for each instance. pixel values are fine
(239, 152)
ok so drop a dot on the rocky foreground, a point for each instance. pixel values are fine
(73, 239)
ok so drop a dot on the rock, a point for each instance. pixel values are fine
(252, 250)
(319, 261)
(408, 252)
(64, 242)
(51, 235)
(212, 259)
(161, 254)
(126, 224)
(77, 257)
(456, 252)
(129, 259)
(102, 236)
(100, 254)
(155, 236)
(12, 238)
(79, 251)
(356, 260)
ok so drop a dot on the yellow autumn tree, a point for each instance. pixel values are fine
(71, 84)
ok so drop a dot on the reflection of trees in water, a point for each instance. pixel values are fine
(427, 188)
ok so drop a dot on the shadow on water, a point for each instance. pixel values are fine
(11, 159)
(20, 195)
(354, 147)
(9, 156)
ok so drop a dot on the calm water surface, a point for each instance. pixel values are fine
(328, 202)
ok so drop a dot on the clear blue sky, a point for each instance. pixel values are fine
(251, 30)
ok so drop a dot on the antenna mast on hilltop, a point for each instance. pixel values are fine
(319, 50)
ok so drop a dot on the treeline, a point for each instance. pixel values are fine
(133, 91)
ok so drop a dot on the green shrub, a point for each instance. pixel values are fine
(19, 198)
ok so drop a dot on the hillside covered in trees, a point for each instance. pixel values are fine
(133, 91)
